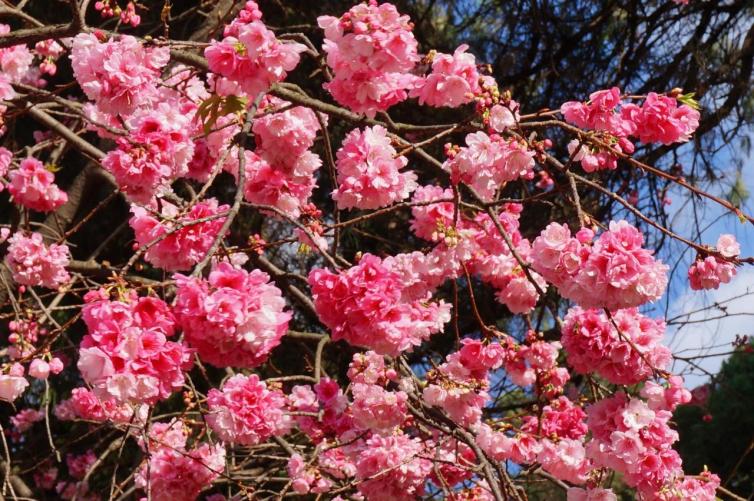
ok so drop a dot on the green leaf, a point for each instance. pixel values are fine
(688, 99)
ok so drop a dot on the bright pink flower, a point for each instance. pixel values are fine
(369, 174)
(33, 186)
(429, 219)
(626, 355)
(251, 56)
(33, 263)
(282, 137)
(39, 369)
(710, 272)
(234, 319)
(390, 469)
(6, 157)
(661, 120)
(371, 50)
(126, 355)
(245, 412)
(156, 152)
(599, 113)
(454, 80)
(565, 459)
(176, 473)
(83, 404)
(182, 248)
(614, 272)
(365, 306)
(635, 440)
(119, 75)
(369, 368)
(286, 188)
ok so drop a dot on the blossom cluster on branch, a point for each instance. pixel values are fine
(398, 384)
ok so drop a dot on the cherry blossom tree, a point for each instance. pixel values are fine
(332, 261)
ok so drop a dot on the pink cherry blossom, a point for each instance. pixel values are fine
(487, 161)
(246, 412)
(364, 306)
(25, 419)
(33, 186)
(371, 50)
(369, 174)
(176, 473)
(595, 494)
(377, 409)
(613, 272)
(251, 56)
(661, 120)
(84, 404)
(234, 319)
(711, 271)
(390, 468)
(126, 354)
(181, 249)
(119, 75)
(453, 81)
(156, 152)
(33, 263)
(625, 355)
(11, 387)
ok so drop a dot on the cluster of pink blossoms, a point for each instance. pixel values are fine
(710, 272)
(250, 55)
(476, 243)
(118, 75)
(244, 411)
(234, 319)
(390, 468)
(371, 51)
(555, 441)
(658, 120)
(454, 80)
(84, 404)
(186, 243)
(126, 355)
(33, 186)
(281, 172)
(369, 174)
(366, 306)
(635, 439)
(626, 355)
(612, 272)
(487, 161)
(156, 152)
(175, 472)
(33, 263)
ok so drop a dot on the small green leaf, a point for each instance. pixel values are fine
(688, 100)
